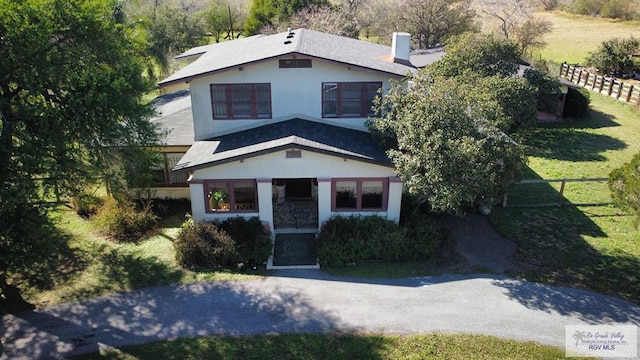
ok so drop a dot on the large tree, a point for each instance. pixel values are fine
(432, 22)
(271, 12)
(514, 20)
(70, 87)
(168, 28)
(325, 18)
(443, 144)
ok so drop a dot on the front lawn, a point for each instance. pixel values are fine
(591, 247)
(337, 346)
(87, 265)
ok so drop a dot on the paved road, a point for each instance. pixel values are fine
(310, 301)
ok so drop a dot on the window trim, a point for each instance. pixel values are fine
(365, 110)
(232, 201)
(228, 87)
(359, 208)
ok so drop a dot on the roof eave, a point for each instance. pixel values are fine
(187, 79)
(280, 148)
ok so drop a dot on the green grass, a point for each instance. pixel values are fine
(590, 247)
(87, 265)
(403, 269)
(573, 37)
(339, 346)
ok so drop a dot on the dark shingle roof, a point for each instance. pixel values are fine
(222, 56)
(303, 134)
(174, 116)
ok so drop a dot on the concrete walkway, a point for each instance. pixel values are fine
(311, 301)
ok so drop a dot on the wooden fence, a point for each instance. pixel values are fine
(605, 85)
(559, 198)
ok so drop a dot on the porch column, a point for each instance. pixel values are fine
(196, 190)
(324, 200)
(395, 199)
(265, 201)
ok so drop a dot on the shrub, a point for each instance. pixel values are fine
(121, 221)
(548, 90)
(576, 103)
(86, 205)
(624, 183)
(204, 245)
(353, 239)
(253, 245)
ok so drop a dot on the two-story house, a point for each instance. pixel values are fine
(279, 128)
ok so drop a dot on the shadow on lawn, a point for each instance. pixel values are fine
(569, 144)
(572, 140)
(552, 247)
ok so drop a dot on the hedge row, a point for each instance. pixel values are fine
(347, 240)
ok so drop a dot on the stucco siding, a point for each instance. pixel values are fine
(311, 165)
(294, 93)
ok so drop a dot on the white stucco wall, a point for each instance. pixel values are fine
(276, 165)
(294, 93)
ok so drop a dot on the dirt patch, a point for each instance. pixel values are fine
(479, 242)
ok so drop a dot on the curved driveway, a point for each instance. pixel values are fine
(311, 301)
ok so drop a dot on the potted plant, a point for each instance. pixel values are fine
(218, 199)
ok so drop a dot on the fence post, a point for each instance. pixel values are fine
(579, 77)
(573, 71)
(629, 93)
(561, 192)
(610, 89)
(601, 85)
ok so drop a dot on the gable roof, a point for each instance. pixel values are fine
(225, 55)
(302, 134)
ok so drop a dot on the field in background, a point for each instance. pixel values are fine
(573, 37)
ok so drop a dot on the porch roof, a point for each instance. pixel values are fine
(301, 134)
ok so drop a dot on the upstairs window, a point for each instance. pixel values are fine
(241, 101)
(348, 99)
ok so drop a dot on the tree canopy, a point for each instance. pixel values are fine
(624, 183)
(442, 144)
(615, 55)
(70, 87)
(481, 54)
